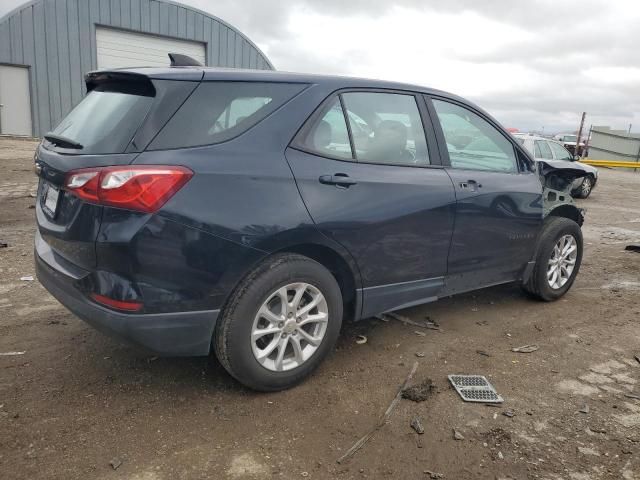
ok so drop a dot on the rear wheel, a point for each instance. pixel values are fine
(558, 259)
(280, 323)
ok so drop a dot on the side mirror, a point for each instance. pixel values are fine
(576, 158)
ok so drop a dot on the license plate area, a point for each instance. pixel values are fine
(51, 199)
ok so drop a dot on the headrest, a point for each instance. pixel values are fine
(322, 135)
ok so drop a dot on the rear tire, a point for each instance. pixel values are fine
(555, 269)
(299, 342)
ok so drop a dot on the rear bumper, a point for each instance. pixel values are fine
(167, 334)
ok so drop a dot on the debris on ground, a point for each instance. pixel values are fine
(432, 324)
(537, 327)
(496, 437)
(420, 334)
(509, 413)
(361, 339)
(429, 324)
(525, 348)
(27, 278)
(597, 429)
(11, 354)
(584, 409)
(637, 357)
(475, 388)
(420, 391)
(433, 475)
(403, 319)
(632, 395)
(416, 424)
(632, 248)
(383, 420)
(115, 463)
(3, 245)
(483, 353)
(457, 435)
(420, 354)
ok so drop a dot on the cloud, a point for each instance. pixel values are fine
(531, 64)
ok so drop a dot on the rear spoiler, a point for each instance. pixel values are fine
(120, 81)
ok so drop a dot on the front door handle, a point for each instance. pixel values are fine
(338, 179)
(470, 185)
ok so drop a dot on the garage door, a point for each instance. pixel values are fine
(15, 101)
(117, 49)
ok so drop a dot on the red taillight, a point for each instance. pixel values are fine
(144, 188)
(126, 305)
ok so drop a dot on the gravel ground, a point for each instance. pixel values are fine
(76, 404)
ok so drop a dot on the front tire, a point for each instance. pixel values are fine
(280, 323)
(585, 187)
(558, 259)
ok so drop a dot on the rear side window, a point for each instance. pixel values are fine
(542, 150)
(106, 119)
(386, 128)
(219, 111)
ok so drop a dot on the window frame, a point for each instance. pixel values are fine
(519, 152)
(435, 161)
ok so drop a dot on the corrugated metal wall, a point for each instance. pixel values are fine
(607, 144)
(57, 40)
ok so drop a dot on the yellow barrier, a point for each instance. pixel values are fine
(610, 163)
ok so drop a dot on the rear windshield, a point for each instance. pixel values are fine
(219, 111)
(106, 120)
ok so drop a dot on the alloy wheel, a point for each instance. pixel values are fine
(562, 261)
(289, 326)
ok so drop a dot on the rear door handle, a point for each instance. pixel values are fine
(338, 179)
(470, 185)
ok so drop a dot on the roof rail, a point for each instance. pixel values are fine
(180, 60)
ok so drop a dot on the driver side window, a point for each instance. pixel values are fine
(472, 142)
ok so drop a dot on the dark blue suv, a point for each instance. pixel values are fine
(188, 209)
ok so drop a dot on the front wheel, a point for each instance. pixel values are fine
(280, 323)
(584, 190)
(558, 259)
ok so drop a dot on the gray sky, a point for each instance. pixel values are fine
(530, 63)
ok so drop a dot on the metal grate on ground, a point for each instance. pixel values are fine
(475, 388)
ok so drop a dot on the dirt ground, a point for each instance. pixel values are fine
(75, 400)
